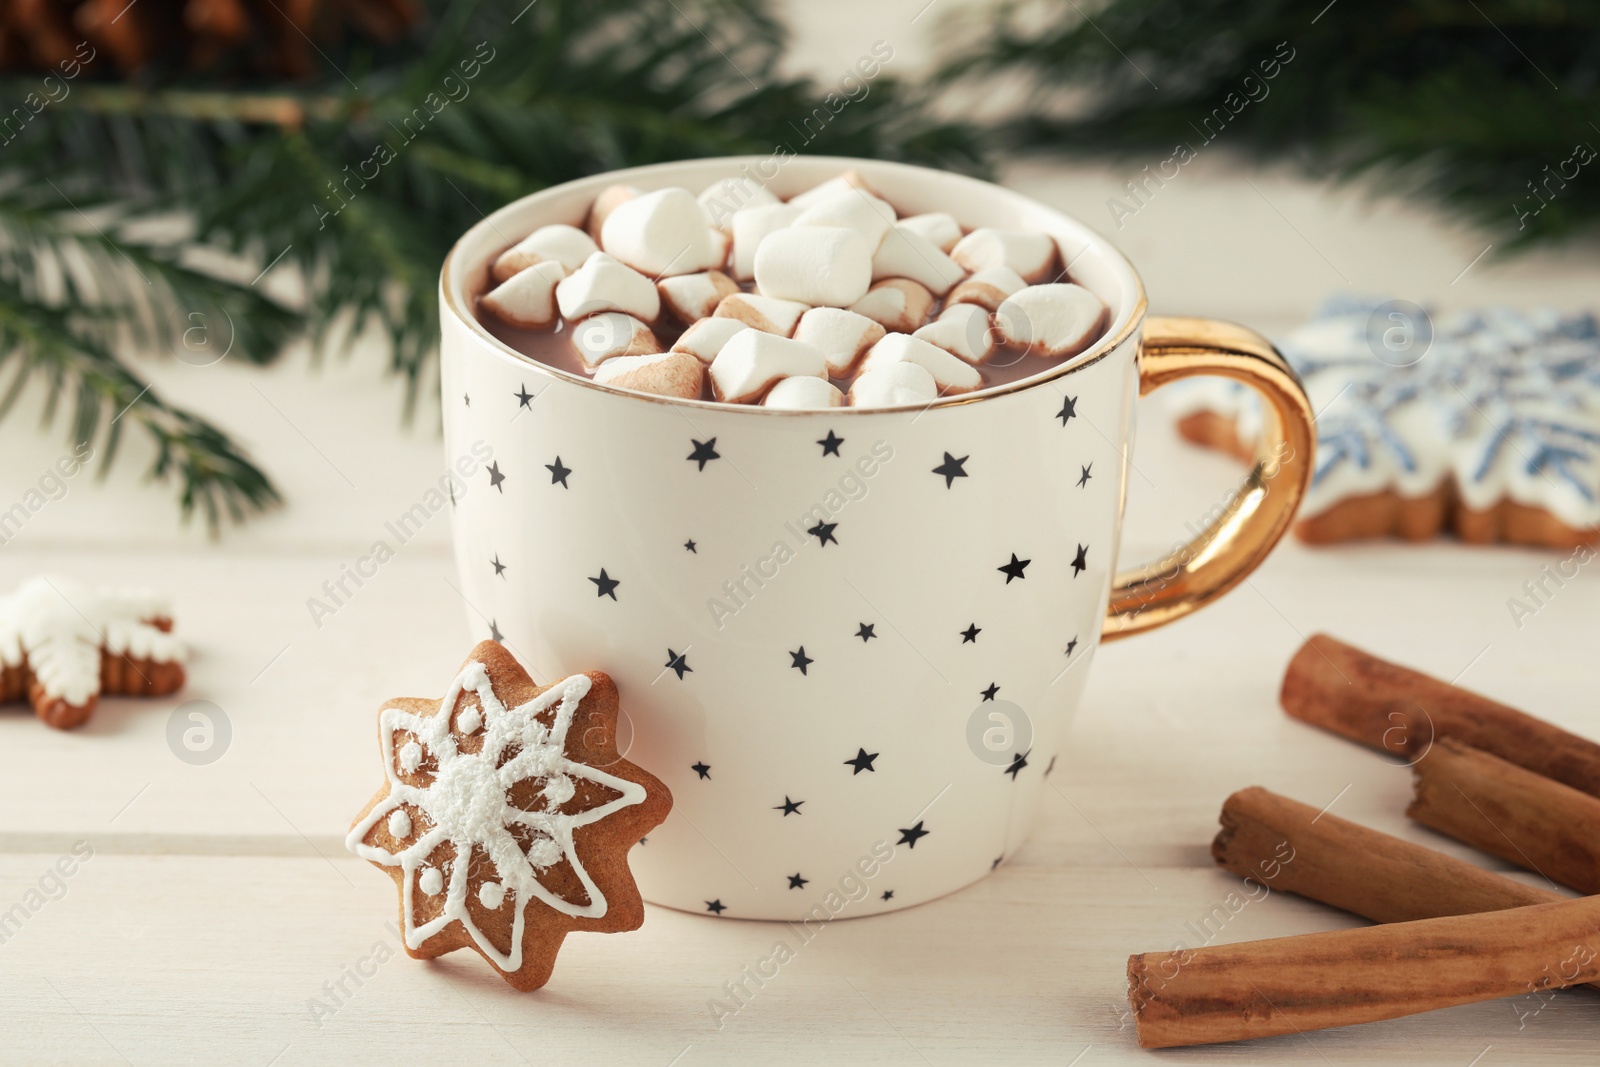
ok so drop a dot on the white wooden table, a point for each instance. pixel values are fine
(219, 905)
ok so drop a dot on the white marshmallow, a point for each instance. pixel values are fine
(843, 336)
(938, 227)
(720, 200)
(752, 361)
(900, 304)
(893, 384)
(660, 233)
(604, 204)
(527, 298)
(907, 254)
(952, 375)
(854, 210)
(676, 374)
(814, 265)
(705, 338)
(603, 284)
(566, 245)
(768, 314)
(722, 247)
(692, 297)
(611, 334)
(987, 288)
(832, 187)
(750, 228)
(1052, 320)
(803, 393)
(1032, 255)
(963, 330)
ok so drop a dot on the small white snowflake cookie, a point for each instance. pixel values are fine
(507, 815)
(64, 645)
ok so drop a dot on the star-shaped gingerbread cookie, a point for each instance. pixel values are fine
(507, 816)
(63, 646)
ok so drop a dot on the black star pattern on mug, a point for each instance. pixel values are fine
(865, 632)
(1083, 479)
(830, 444)
(910, 836)
(996, 862)
(969, 636)
(467, 400)
(678, 662)
(797, 882)
(823, 532)
(689, 545)
(495, 477)
(499, 568)
(558, 473)
(494, 632)
(1019, 761)
(951, 468)
(524, 398)
(605, 584)
(704, 452)
(1050, 766)
(788, 807)
(1081, 561)
(888, 894)
(799, 660)
(989, 693)
(716, 907)
(1069, 408)
(1015, 568)
(702, 768)
(862, 762)
(452, 487)
(1072, 645)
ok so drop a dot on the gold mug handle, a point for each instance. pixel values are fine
(1259, 513)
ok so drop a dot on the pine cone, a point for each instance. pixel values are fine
(273, 38)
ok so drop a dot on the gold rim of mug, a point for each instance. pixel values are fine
(1090, 356)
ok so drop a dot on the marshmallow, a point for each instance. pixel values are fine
(832, 187)
(705, 338)
(663, 373)
(611, 334)
(952, 375)
(752, 361)
(566, 245)
(660, 233)
(1032, 255)
(750, 228)
(907, 254)
(603, 284)
(854, 210)
(843, 336)
(899, 304)
(721, 248)
(892, 384)
(814, 265)
(962, 330)
(803, 393)
(768, 314)
(720, 200)
(938, 227)
(692, 297)
(607, 202)
(527, 298)
(1052, 320)
(987, 288)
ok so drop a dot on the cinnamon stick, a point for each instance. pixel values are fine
(1522, 817)
(1291, 847)
(1288, 985)
(1404, 713)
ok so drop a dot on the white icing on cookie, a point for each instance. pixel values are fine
(465, 805)
(59, 628)
(399, 823)
(1504, 403)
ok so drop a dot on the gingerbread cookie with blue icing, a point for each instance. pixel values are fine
(1489, 431)
(507, 814)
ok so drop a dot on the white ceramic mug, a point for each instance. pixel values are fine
(850, 642)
